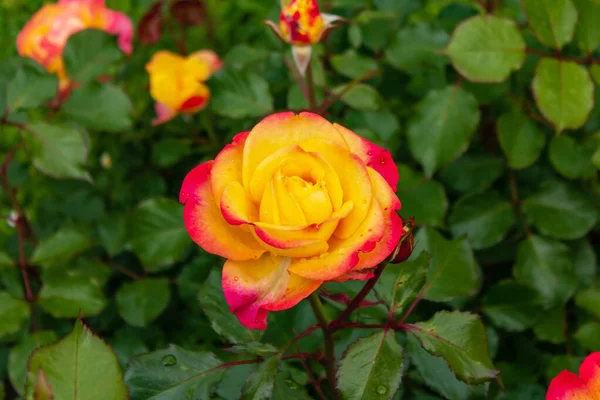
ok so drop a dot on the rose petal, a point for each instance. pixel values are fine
(393, 223)
(356, 185)
(589, 371)
(304, 241)
(294, 155)
(163, 114)
(362, 275)
(343, 254)
(198, 101)
(210, 58)
(376, 157)
(228, 165)
(236, 207)
(310, 131)
(205, 223)
(119, 24)
(252, 288)
(586, 386)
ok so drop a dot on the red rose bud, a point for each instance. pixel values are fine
(188, 12)
(149, 28)
(406, 245)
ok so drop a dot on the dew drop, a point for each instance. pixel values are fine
(169, 360)
(370, 230)
(369, 153)
(236, 279)
(381, 389)
(292, 384)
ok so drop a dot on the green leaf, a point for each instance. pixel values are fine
(560, 211)
(442, 127)
(19, 355)
(261, 382)
(88, 54)
(372, 367)
(416, 48)
(77, 366)
(438, 376)
(473, 173)
(157, 233)
(215, 307)
(484, 218)
(584, 259)
(552, 21)
(587, 32)
(589, 300)
(113, 232)
(286, 388)
(352, 65)
(141, 302)
(588, 336)
(546, 266)
(453, 271)
(239, 96)
(173, 373)
(29, 89)
(520, 139)
(400, 284)
(568, 156)
(486, 48)
(67, 296)
(13, 313)
(551, 326)
(59, 151)
(426, 202)
(595, 73)
(564, 92)
(101, 107)
(168, 152)
(360, 97)
(60, 246)
(254, 348)
(460, 339)
(512, 306)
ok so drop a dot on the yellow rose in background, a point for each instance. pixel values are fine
(177, 82)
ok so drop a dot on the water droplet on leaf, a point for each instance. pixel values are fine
(169, 360)
(291, 384)
(381, 389)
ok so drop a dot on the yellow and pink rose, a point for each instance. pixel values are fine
(585, 386)
(177, 82)
(293, 203)
(45, 36)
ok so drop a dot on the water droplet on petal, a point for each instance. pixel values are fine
(381, 389)
(236, 279)
(169, 360)
(369, 153)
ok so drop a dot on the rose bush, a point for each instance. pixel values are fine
(482, 286)
(291, 204)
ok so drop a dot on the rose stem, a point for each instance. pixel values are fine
(310, 85)
(319, 311)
